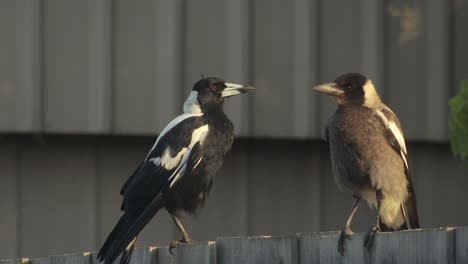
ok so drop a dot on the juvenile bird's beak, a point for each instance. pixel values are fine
(328, 88)
(235, 89)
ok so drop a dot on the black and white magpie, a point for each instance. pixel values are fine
(178, 171)
(368, 156)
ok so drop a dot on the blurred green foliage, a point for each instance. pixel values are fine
(458, 123)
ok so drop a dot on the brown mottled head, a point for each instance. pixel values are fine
(351, 89)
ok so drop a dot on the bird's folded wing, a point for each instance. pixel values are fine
(394, 134)
(176, 152)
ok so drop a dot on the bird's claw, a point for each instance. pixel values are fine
(175, 243)
(370, 237)
(346, 232)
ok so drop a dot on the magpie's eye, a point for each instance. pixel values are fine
(214, 88)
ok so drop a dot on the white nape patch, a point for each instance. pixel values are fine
(371, 97)
(191, 105)
(396, 133)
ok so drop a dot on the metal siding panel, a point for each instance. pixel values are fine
(304, 70)
(65, 66)
(9, 201)
(440, 182)
(168, 62)
(147, 65)
(272, 68)
(99, 63)
(116, 161)
(19, 67)
(57, 198)
(237, 61)
(76, 80)
(340, 46)
(437, 69)
(284, 188)
(406, 60)
(459, 39)
(250, 250)
(8, 51)
(204, 49)
(372, 46)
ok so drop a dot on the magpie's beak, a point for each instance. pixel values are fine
(235, 89)
(328, 88)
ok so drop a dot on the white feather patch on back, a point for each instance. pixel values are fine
(396, 133)
(191, 109)
(198, 136)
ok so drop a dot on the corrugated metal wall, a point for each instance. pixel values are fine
(125, 67)
(120, 67)
(62, 195)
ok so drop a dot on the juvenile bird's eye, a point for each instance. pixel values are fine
(214, 87)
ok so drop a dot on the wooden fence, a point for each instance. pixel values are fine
(443, 245)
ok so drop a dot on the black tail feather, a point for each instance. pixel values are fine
(127, 229)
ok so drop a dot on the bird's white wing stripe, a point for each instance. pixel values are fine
(198, 135)
(396, 133)
(171, 125)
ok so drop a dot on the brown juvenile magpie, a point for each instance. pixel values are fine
(369, 157)
(177, 173)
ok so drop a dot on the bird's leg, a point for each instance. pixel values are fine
(376, 228)
(346, 230)
(185, 237)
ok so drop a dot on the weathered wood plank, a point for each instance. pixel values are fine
(322, 248)
(39, 261)
(265, 249)
(461, 245)
(416, 246)
(144, 255)
(200, 253)
(14, 261)
(83, 258)
(164, 256)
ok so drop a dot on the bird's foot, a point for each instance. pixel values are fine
(175, 243)
(371, 236)
(346, 232)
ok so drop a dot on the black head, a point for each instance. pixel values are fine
(350, 89)
(210, 92)
(210, 89)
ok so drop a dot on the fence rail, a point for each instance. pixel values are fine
(443, 245)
